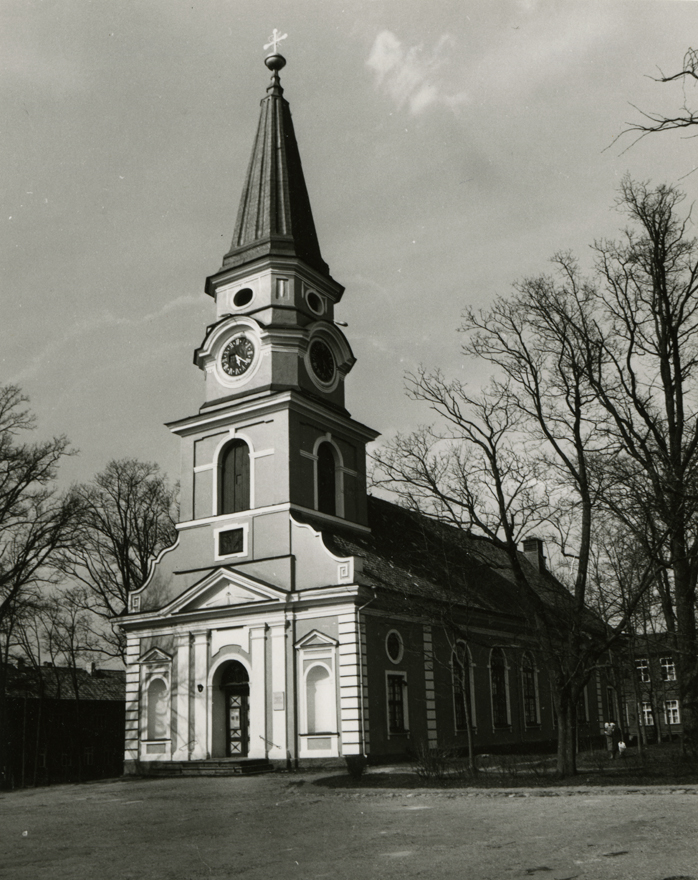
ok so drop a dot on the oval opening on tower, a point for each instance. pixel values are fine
(243, 297)
(315, 302)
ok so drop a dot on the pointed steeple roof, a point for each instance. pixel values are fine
(274, 217)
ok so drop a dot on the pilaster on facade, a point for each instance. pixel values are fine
(259, 736)
(599, 702)
(181, 726)
(432, 734)
(363, 684)
(132, 733)
(351, 698)
(200, 697)
(278, 745)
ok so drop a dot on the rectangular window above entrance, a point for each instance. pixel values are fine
(231, 542)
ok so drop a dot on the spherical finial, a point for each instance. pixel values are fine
(275, 62)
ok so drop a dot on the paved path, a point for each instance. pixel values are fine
(284, 826)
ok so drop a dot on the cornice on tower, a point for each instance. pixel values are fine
(275, 217)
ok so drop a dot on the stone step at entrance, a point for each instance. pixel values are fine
(214, 767)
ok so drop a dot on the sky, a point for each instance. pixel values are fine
(450, 148)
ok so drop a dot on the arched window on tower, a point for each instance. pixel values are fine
(234, 487)
(326, 479)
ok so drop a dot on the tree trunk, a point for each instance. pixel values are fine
(687, 659)
(4, 735)
(566, 752)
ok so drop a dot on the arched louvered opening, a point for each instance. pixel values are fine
(234, 475)
(326, 479)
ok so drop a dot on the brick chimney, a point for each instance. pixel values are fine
(533, 551)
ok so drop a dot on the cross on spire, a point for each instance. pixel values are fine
(275, 39)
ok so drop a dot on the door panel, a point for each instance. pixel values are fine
(237, 715)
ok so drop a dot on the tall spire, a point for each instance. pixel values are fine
(274, 217)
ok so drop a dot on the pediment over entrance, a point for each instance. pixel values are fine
(222, 589)
(316, 639)
(156, 655)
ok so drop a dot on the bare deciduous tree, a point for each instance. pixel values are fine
(643, 368)
(127, 519)
(684, 118)
(538, 451)
(36, 521)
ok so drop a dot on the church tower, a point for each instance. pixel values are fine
(221, 638)
(273, 433)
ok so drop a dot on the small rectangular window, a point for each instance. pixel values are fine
(647, 719)
(668, 669)
(231, 542)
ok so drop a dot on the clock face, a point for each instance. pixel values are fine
(238, 355)
(322, 361)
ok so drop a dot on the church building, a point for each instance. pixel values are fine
(296, 617)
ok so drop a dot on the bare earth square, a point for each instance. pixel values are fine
(284, 825)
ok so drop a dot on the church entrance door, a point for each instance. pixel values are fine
(236, 687)
(237, 704)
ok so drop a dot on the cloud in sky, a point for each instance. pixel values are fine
(85, 329)
(411, 74)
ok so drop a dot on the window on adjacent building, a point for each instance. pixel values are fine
(462, 686)
(234, 494)
(646, 716)
(668, 669)
(530, 690)
(157, 709)
(326, 479)
(397, 703)
(499, 688)
(671, 712)
(642, 665)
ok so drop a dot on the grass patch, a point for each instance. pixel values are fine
(658, 765)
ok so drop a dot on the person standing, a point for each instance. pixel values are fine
(613, 739)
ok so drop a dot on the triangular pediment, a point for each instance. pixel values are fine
(156, 655)
(225, 588)
(316, 639)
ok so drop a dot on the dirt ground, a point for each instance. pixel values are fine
(293, 825)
